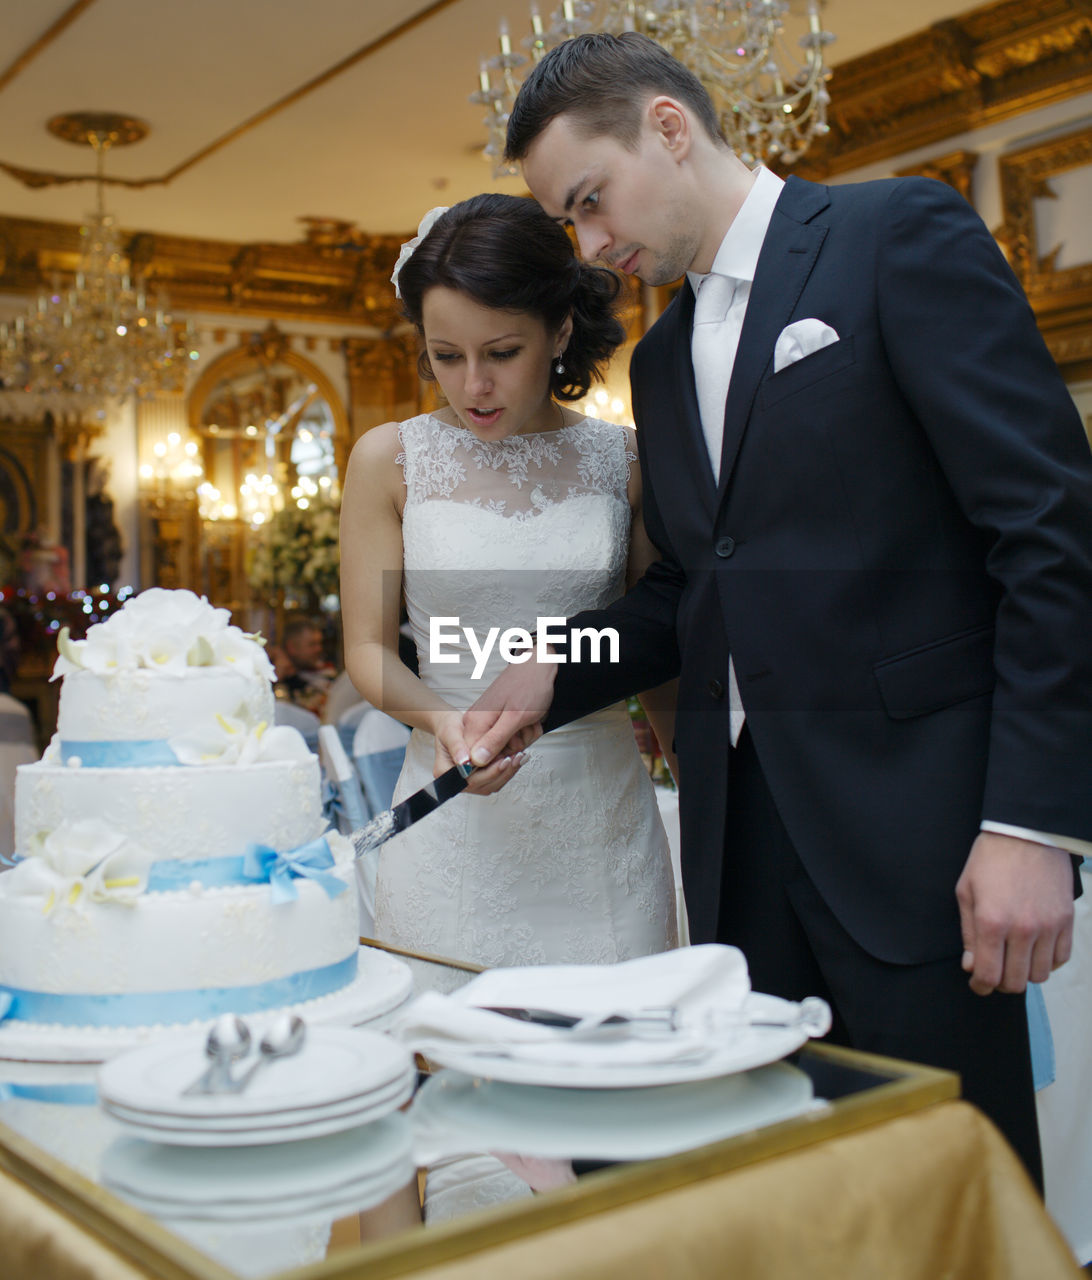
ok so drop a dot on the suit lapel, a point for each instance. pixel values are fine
(788, 255)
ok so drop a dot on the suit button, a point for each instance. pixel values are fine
(716, 689)
(725, 547)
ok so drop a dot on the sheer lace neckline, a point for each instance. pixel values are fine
(507, 440)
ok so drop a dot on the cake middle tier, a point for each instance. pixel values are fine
(179, 956)
(174, 813)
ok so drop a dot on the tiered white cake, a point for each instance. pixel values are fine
(172, 861)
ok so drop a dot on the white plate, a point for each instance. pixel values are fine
(454, 1114)
(738, 1049)
(336, 1064)
(395, 1093)
(245, 1183)
(383, 982)
(355, 1199)
(259, 1134)
(289, 1123)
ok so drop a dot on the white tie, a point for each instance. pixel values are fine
(713, 347)
(713, 351)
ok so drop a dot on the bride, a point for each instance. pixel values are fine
(502, 509)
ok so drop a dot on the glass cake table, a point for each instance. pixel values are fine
(60, 1173)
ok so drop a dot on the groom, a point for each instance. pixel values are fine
(873, 500)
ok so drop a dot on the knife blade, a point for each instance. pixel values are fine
(415, 807)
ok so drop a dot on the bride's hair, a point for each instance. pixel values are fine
(506, 253)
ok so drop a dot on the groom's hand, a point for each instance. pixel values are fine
(510, 711)
(1016, 912)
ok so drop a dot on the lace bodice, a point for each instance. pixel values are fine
(568, 863)
(502, 533)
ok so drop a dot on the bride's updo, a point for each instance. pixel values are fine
(506, 253)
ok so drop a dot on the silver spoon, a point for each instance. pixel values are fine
(228, 1040)
(284, 1037)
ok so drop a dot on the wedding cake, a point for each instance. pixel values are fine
(172, 862)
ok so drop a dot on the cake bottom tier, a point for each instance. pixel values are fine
(382, 984)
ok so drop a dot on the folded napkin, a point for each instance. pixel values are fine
(692, 981)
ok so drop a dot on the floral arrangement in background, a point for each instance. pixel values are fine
(297, 550)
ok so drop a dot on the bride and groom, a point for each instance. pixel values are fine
(869, 491)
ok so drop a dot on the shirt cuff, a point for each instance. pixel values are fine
(1081, 848)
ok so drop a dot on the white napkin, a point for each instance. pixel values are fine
(691, 981)
(799, 339)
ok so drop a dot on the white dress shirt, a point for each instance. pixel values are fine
(714, 352)
(714, 343)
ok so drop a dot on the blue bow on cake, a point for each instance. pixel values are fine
(311, 860)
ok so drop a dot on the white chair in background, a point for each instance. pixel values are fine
(379, 748)
(16, 747)
(344, 781)
(285, 712)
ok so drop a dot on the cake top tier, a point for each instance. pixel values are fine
(167, 666)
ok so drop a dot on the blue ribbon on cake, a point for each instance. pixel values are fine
(259, 865)
(149, 1008)
(132, 754)
(65, 1095)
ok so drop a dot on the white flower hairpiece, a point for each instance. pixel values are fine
(407, 250)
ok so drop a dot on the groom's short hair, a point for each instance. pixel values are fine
(602, 82)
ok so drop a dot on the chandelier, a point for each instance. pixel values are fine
(771, 101)
(100, 338)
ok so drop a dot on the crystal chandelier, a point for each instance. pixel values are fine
(98, 339)
(771, 101)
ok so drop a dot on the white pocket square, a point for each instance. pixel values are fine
(800, 339)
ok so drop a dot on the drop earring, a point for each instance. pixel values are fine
(559, 368)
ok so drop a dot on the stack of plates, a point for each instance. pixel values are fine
(292, 1185)
(342, 1078)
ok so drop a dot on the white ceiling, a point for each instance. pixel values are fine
(376, 144)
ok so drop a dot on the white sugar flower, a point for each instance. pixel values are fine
(164, 650)
(232, 648)
(79, 860)
(220, 741)
(69, 654)
(278, 742)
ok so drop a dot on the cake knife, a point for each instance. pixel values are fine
(414, 807)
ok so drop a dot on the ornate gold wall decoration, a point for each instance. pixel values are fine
(956, 169)
(383, 383)
(1062, 298)
(347, 282)
(987, 65)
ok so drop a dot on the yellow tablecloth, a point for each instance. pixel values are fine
(936, 1193)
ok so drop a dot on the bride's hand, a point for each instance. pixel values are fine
(451, 749)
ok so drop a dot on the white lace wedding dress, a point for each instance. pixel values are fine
(569, 862)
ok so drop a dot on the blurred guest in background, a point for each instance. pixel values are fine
(304, 674)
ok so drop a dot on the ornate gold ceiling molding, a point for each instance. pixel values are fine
(991, 64)
(1062, 298)
(345, 281)
(37, 178)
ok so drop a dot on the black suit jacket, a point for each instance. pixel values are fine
(898, 556)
